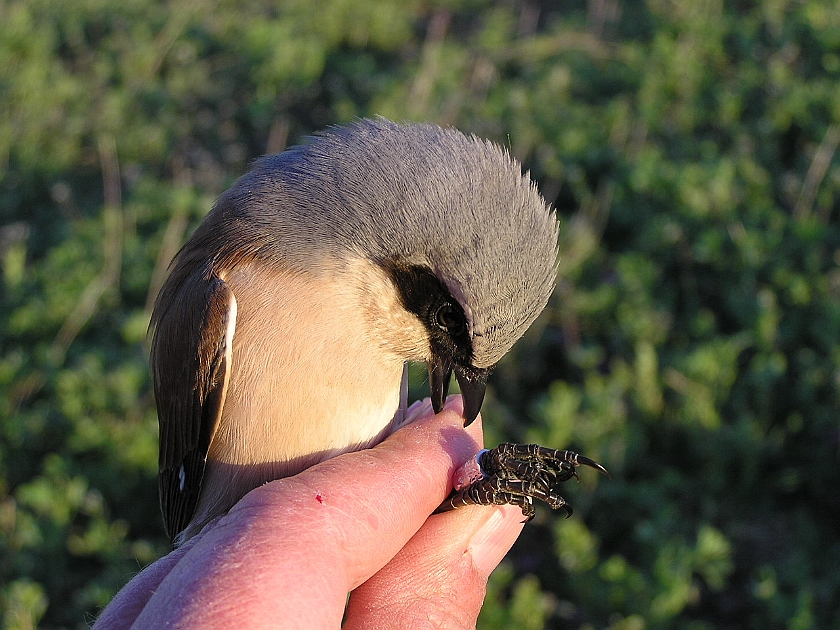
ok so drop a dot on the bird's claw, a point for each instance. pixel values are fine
(517, 474)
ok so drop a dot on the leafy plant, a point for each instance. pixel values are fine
(691, 346)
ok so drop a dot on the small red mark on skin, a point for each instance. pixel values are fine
(319, 498)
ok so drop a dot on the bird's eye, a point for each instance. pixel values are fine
(450, 319)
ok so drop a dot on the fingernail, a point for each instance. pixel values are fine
(417, 409)
(495, 537)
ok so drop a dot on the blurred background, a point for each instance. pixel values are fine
(692, 345)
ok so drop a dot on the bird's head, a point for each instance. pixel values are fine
(463, 235)
(466, 238)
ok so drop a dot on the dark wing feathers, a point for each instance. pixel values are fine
(190, 371)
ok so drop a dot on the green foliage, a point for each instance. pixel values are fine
(692, 345)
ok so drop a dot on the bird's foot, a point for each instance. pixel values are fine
(516, 474)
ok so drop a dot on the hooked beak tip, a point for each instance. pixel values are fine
(472, 381)
(473, 384)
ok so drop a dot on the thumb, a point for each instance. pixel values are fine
(439, 579)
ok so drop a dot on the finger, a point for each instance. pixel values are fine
(439, 579)
(130, 601)
(291, 550)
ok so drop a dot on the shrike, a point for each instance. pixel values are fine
(282, 332)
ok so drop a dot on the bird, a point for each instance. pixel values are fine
(282, 334)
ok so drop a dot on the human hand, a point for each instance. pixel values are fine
(289, 552)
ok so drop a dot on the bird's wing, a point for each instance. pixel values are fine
(191, 354)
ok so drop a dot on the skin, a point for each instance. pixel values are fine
(290, 551)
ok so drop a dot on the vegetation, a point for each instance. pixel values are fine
(692, 346)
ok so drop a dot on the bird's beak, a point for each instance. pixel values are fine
(440, 373)
(472, 381)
